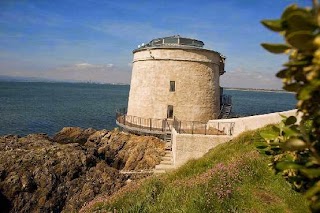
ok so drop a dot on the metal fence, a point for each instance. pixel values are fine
(226, 100)
(150, 124)
(195, 127)
(165, 125)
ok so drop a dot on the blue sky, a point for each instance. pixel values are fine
(78, 40)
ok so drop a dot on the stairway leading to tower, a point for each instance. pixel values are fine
(225, 107)
(166, 163)
(225, 111)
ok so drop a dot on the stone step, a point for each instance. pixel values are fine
(164, 167)
(166, 158)
(168, 154)
(166, 162)
(168, 145)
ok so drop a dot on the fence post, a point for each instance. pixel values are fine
(150, 124)
(192, 126)
(124, 120)
(205, 129)
(180, 127)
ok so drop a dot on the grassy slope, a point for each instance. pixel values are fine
(233, 177)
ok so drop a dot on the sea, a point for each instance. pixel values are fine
(37, 107)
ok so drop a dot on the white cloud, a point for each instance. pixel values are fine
(88, 67)
(78, 72)
(101, 73)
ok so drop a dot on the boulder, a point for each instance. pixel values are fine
(73, 135)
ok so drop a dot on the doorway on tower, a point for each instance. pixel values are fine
(170, 111)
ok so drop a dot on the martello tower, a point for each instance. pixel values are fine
(175, 77)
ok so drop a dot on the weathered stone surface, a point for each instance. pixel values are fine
(73, 135)
(131, 152)
(38, 174)
(196, 75)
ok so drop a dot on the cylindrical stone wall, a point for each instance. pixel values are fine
(196, 75)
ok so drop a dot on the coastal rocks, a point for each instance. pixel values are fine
(73, 135)
(40, 174)
(130, 152)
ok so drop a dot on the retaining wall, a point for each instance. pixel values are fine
(254, 122)
(188, 146)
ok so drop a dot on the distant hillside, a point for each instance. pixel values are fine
(233, 177)
(7, 78)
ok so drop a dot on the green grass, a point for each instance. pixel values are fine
(233, 177)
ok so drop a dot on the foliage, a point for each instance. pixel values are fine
(232, 177)
(295, 148)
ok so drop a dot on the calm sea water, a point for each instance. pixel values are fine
(48, 107)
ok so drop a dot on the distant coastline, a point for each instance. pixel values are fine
(9, 79)
(255, 89)
(4, 78)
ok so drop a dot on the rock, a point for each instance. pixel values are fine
(131, 152)
(39, 174)
(96, 137)
(73, 135)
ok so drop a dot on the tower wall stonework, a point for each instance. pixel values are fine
(196, 75)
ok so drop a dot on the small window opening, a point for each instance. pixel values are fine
(170, 111)
(172, 86)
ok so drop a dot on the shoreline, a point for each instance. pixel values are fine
(257, 90)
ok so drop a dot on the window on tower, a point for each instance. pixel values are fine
(172, 86)
(170, 111)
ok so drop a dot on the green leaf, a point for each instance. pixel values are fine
(274, 25)
(269, 134)
(289, 10)
(311, 172)
(313, 190)
(290, 132)
(294, 144)
(288, 165)
(283, 73)
(294, 87)
(291, 120)
(302, 40)
(315, 206)
(300, 19)
(276, 48)
(305, 92)
(275, 129)
(297, 63)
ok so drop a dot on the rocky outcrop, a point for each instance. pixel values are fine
(130, 152)
(73, 135)
(40, 174)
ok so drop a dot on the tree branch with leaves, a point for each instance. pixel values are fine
(295, 148)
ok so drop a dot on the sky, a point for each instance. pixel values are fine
(89, 40)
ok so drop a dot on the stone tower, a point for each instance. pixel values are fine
(175, 77)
